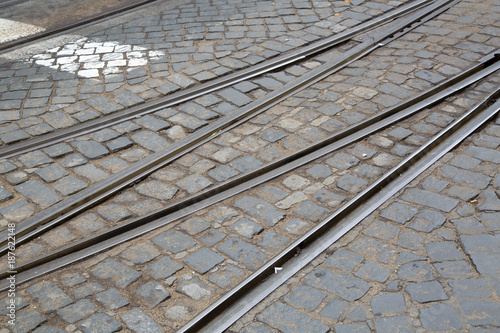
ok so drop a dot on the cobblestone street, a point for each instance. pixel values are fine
(427, 259)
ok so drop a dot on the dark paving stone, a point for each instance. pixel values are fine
(476, 288)
(351, 183)
(394, 324)
(246, 228)
(458, 269)
(400, 133)
(120, 274)
(305, 297)
(119, 144)
(162, 268)
(491, 221)
(382, 230)
(370, 270)
(235, 97)
(468, 225)
(49, 296)
(272, 194)
(222, 173)
(153, 293)
(195, 225)
(388, 304)
(434, 184)
(69, 185)
(71, 280)
(140, 254)
(38, 193)
(111, 299)
(245, 163)
(227, 277)
(51, 173)
(194, 288)
(410, 239)
(91, 172)
(480, 244)
(242, 252)
(73, 160)
(488, 201)
(440, 317)
(6, 304)
(346, 286)
(352, 328)
(430, 199)
(319, 171)
(138, 321)
(34, 159)
(150, 140)
(287, 319)
(427, 220)
(58, 150)
(99, 322)
(87, 224)
(157, 190)
(194, 183)
(105, 135)
(187, 121)
(87, 289)
(273, 242)
(27, 321)
(48, 329)
(311, 211)
(334, 309)
(464, 177)
(272, 135)
(113, 212)
(415, 271)
(399, 212)
(203, 260)
(174, 241)
(481, 313)
(260, 210)
(443, 251)
(78, 311)
(255, 328)
(90, 149)
(426, 292)
(342, 161)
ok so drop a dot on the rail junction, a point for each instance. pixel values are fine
(244, 166)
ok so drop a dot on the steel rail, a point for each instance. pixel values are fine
(10, 46)
(232, 306)
(7, 3)
(135, 228)
(58, 213)
(205, 88)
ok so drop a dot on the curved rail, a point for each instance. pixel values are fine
(57, 214)
(135, 228)
(205, 88)
(233, 305)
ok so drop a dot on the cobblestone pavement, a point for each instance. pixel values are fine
(154, 56)
(407, 66)
(427, 260)
(423, 262)
(166, 277)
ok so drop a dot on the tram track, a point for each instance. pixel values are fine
(209, 86)
(68, 28)
(234, 304)
(173, 212)
(57, 214)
